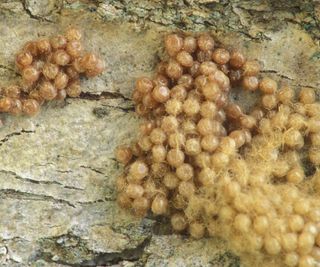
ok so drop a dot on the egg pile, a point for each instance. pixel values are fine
(50, 69)
(215, 170)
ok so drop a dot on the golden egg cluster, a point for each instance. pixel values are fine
(50, 69)
(215, 170)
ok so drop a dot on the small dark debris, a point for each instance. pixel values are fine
(101, 112)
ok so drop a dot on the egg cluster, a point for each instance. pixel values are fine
(212, 168)
(50, 69)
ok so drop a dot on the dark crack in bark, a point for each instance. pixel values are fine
(294, 82)
(104, 111)
(103, 95)
(131, 254)
(52, 246)
(92, 169)
(7, 137)
(16, 194)
(40, 182)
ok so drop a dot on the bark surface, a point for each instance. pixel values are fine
(57, 170)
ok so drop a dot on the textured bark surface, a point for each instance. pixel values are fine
(57, 170)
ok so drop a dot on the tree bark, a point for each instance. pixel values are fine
(57, 170)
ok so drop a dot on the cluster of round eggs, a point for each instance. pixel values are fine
(214, 169)
(50, 69)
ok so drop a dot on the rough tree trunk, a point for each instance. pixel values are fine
(57, 170)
